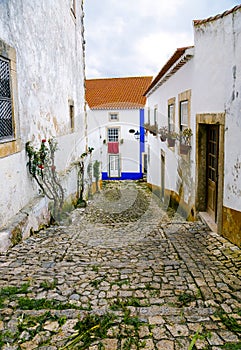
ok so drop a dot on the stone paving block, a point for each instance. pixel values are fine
(178, 330)
(165, 345)
(142, 260)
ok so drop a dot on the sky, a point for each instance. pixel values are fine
(136, 37)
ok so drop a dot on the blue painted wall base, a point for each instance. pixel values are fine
(124, 176)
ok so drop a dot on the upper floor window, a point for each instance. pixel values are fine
(184, 100)
(6, 114)
(113, 135)
(155, 115)
(183, 115)
(149, 115)
(171, 117)
(113, 117)
(71, 114)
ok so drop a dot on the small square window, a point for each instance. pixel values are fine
(113, 116)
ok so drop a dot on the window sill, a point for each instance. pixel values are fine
(8, 147)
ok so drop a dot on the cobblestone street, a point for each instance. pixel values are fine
(122, 274)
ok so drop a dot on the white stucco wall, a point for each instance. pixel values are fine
(218, 78)
(181, 81)
(48, 43)
(98, 123)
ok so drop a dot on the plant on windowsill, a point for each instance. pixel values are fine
(153, 129)
(163, 131)
(172, 136)
(121, 141)
(185, 140)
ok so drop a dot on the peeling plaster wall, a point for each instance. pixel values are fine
(48, 41)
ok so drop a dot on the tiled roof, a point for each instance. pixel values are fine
(228, 12)
(175, 57)
(117, 93)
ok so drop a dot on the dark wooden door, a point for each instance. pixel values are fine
(212, 170)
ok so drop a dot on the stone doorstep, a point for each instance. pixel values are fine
(29, 219)
(207, 219)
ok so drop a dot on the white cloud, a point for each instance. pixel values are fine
(136, 37)
(156, 49)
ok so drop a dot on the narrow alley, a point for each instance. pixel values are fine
(123, 273)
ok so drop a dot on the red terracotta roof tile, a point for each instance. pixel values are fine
(117, 93)
(228, 12)
(174, 58)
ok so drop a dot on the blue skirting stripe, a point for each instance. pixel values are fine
(124, 176)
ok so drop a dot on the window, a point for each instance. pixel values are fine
(113, 116)
(149, 115)
(113, 135)
(9, 123)
(184, 101)
(183, 115)
(71, 114)
(6, 115)
(171, 119)
(155, 115)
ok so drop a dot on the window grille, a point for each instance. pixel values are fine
(113, 135)
(6, 122)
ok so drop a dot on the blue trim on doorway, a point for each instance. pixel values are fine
(124, 176)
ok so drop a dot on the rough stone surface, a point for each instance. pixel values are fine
(166, 281)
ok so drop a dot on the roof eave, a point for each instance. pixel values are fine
(188, 54)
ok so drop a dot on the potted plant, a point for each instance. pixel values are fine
(163, 131)
(171, 138)
(151, 128)
(185, 140)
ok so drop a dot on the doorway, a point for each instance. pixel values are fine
(210, 167)
(212, 170)
(114, 165)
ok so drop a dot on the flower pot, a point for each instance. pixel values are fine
(163, 138)
(184, 149)
(171, 142)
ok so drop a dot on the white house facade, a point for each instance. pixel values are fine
(41, 97)
(218, 77)
(199, 89)
(116, 125)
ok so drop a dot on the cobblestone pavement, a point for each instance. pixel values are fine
(123, 274)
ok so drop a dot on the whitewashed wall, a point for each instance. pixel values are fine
(98, 122)
(218, 78)
(49, 51)
(181, 81)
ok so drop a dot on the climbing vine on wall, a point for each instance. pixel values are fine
(41, 165)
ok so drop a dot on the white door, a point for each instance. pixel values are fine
(114, 166)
